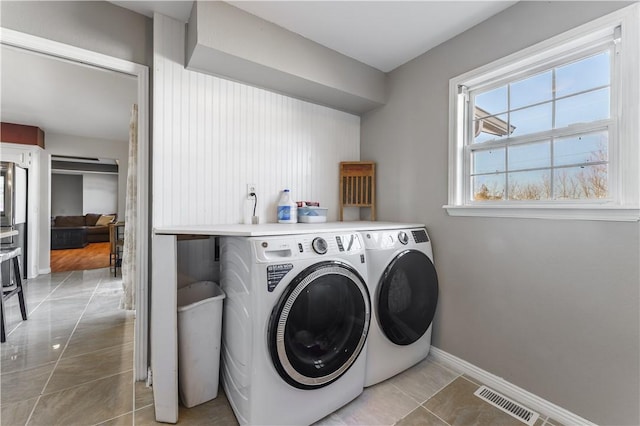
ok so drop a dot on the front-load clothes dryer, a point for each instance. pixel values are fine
(404, 291)
(295, 324)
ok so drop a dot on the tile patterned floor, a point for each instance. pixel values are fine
(71, 363)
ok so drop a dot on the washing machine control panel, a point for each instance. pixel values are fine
(304, 246)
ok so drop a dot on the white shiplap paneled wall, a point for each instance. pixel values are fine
(211, 137)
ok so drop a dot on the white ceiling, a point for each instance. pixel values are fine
(383, 34)
(61, 97)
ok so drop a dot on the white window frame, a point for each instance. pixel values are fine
(624, 150)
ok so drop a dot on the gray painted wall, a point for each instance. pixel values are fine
(66, 195)
(79, 194)
(550, 305)
(94, 25)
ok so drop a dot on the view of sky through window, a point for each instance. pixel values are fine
(520, 149)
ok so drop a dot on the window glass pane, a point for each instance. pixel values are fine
(586, 182)
(531, 185)
(584, 108)
(488, 187)
(532, 90)
(531, 120)
(583, 75)
(490, 128)
(530, 156)
(543, 136)
(581, 149)
(491, 102)
(488, 161)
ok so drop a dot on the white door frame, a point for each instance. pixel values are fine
(141, 72)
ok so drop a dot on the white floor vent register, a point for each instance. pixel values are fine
(507, 405)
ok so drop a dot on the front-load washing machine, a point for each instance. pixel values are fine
(295, 325)
(404, 291)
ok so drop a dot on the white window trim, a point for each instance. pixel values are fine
(627, 153)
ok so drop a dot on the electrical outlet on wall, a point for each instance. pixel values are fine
(251, 188)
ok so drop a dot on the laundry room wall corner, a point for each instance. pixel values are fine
(537, 302)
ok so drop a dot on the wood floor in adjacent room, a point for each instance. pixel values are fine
(93, 256)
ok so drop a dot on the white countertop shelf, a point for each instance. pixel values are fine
(6, 234)
(267, 229)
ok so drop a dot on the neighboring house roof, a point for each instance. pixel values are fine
(485, 122)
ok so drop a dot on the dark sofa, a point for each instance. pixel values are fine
(95, 233)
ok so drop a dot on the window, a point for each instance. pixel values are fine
(551, 131)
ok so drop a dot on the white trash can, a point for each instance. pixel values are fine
(199, 337)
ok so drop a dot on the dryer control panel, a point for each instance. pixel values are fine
(382, 240)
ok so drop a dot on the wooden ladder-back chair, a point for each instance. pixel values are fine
(358, 186)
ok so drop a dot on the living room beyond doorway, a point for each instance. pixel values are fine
(84, 202)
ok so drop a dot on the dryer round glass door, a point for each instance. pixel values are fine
(407, 297)
(319, 326)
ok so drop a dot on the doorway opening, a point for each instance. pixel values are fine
(84, 206)
(39, 224)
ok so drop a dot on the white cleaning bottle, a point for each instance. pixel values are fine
(287, 208)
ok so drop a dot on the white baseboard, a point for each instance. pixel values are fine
(44, 271)
(499, 384)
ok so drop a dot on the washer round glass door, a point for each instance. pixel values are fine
(407, 297)
(319, 325)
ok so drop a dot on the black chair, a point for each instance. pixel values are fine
(9, 289)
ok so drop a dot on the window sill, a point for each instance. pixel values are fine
(572, 212)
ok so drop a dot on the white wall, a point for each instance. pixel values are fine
(549, 305)
(99, 193)
(44, 219)
(20, 191)
(212, 136)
